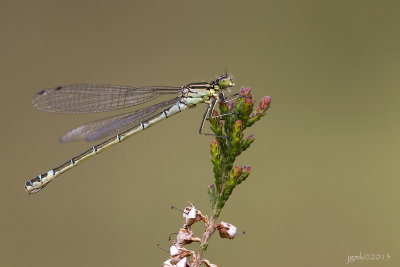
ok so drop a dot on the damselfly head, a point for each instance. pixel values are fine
(225, 81)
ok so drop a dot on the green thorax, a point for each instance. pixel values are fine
(194, 93)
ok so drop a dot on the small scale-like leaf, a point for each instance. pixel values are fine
(212, 194)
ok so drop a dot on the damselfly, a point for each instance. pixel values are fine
(86, 98)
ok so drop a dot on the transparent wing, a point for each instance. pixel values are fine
(113, 125)
(86, 98)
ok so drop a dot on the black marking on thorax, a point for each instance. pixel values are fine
(200, 85)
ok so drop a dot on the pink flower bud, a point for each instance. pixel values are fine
(214, 144)
(216, 117)
(264, 104)
(236, 172)
(245, 91)
(223, 107)
(231, 105)
(247, 106)
(250, 137)
(238, 125)
(246, 168)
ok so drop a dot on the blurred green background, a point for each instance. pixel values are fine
(325, 180)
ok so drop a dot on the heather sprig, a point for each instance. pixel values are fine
(229, 126)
